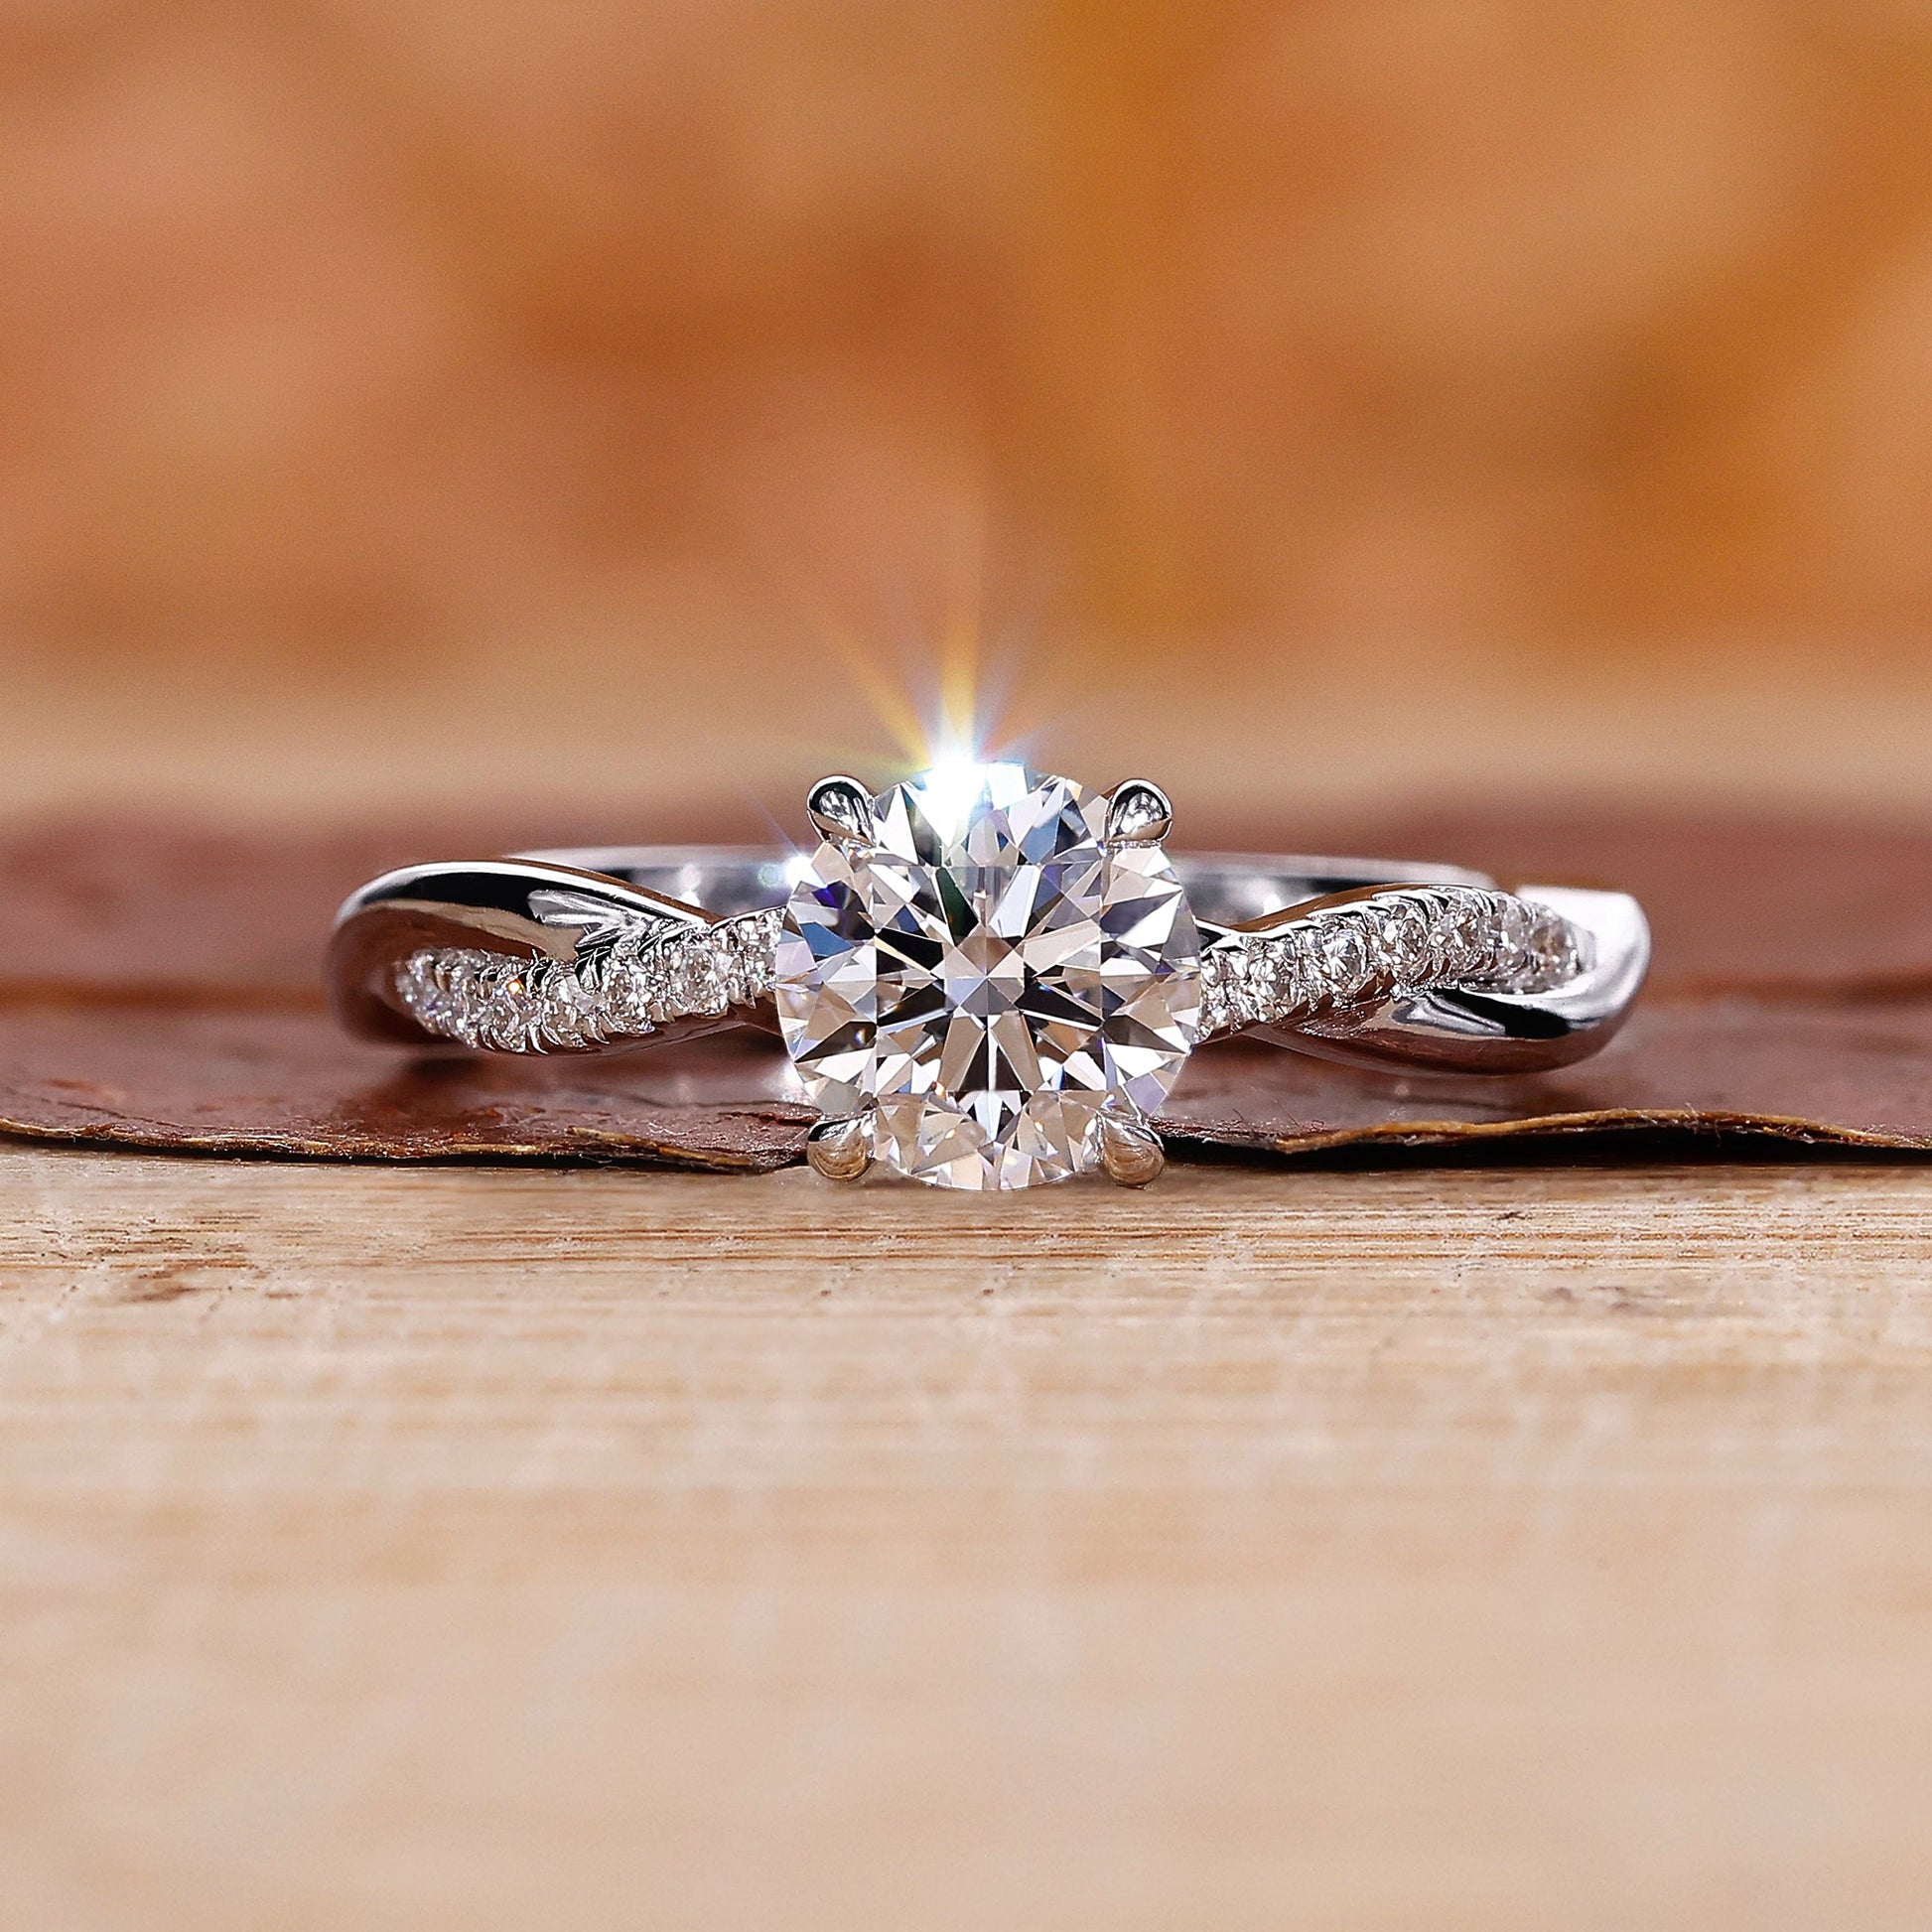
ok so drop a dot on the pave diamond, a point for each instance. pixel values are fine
(1555, 952)
(746, 946)
(694, 981)
(1515, 931)
(633, 999)
(1458, 946)
(1224, 1001)
(985, 973)
(565, 1005)
(1342, 957)
(1399, 931)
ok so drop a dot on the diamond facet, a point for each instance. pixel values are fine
(985, 973)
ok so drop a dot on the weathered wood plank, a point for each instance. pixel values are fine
(1403, 1549)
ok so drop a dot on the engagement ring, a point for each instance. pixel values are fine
(985, 977)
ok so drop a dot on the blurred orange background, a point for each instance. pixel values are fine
(403, 397)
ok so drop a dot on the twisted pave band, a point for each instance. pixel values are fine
(1399, 941)
(645, 982)
(985, 977)
(1389, 943)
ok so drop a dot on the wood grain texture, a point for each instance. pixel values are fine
(530, 1548)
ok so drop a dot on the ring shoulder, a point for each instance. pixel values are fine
(1465, 979)
(521, 957)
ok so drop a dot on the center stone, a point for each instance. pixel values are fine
(986, 973)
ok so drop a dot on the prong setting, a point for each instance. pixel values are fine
(841, 808)
(839, 1150)
(921, 978)
(1127, 1149)
(1138, 813)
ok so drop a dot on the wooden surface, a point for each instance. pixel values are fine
(510, 1549)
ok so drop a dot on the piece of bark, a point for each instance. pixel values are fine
(258, 1079)
(158, 989)
(268, 1078)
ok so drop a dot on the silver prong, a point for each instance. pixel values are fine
(841, 808)
(1129, 1150)
(837, 1147)
(1138, 812)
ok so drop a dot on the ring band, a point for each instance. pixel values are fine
(986, 977)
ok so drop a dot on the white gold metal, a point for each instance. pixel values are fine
(1060, 936)
(841, 808)
(1127, 1150)
(1137, 813)
(840, 1150)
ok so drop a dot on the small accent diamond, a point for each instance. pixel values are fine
(1460, 945)
(1554, 955)
(1224, 1003)
(1399, 931)
(693, 977)
(1284, 977)
(746, 946)
(632, 989)
(1342, 957)
(508, 1015)
(565, 1006)
(1514, 929)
